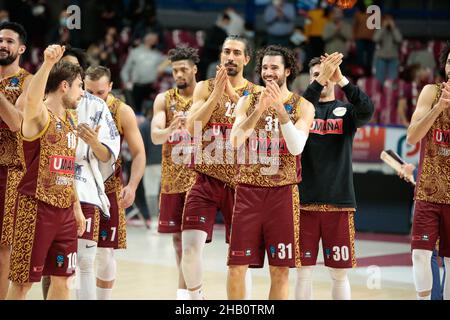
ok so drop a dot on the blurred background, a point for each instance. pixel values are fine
(391, 64)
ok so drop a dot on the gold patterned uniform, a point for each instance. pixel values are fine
(11, 168)
(215, 163)
(113, 232)
(176, 177)
(45, 233)
(432, 194)
(266, 214)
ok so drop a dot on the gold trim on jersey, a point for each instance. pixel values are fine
(39, 135)
(296, 219)
(13, 178)
(351, 230)
(325, 208)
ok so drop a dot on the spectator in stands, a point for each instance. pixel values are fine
(337, 34)
(363, 37)
(423, 57)
(141, 69)
(213, 44)
(388, 40)
(314, 27)
(148, 22)
(236, 25)
(279, 18)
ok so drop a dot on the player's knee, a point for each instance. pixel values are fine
(421, 257)
(176, 239)
(237, 272)
(85, 260)
(106, 270)
(338, 274)
(304, 273)
(279, 273)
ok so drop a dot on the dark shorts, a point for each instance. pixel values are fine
(171, 212)
(92, 215)
(265, 220)
(430, 222)
(9, 180)
(113, 231)
(45, 241)
(337, 231)
(206, 196)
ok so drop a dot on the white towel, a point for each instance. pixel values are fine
(90, 173)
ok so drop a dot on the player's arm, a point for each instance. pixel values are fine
(159, 132)
(243, 125)
(78, 213)
(35, 114)
(12, 114)
(133, 137)
(203, 105)
(295, 135)
(425, 115)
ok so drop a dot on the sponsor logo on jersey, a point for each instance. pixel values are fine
(13, 84)
(248, 253)
(62, 164)
(220, 129)
(237, 253)
(340, 111)
(272, 251)
(268, 146)
(38, 269)
(329, 126)
(327, 253)
(441, 137)
(103, 234)
(59, 260)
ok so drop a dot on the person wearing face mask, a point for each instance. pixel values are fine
(279, 18)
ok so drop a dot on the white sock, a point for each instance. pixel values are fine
(104, 294)
(447, 281)
(248, 285)
(303, 286)
(196, 294)
(183, 294)
(193, 242)
(423, 276)
(341, 286)
(85, 260)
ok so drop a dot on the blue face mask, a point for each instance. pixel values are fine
(63, 22)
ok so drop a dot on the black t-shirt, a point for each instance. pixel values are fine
(327, 173)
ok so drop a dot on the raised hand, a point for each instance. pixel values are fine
(53, 53)
(328, 66)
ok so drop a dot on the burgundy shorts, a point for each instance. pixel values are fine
(337, 231)
(265, 220)
(430, 222)
(171, 212)
(45, 241)
(9, 180)
(113, 231)
(92, 215)
(206, 196)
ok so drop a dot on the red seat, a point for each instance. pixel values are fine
(371, 86)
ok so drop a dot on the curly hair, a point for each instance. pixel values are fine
(289, 59)
(184, 53)
(444, 55)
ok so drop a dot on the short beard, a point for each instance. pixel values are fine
(182, 86)
(8, 60)
(69, 105)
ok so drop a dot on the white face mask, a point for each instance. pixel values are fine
(276, 2)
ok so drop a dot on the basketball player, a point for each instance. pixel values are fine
(47, 221)
(171, 108)
(113, 231)
(275, 124)
(212, 114)
(14, 80)
(97, 151)
(326, 191)
(430, 124)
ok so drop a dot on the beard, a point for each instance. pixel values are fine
(10, 58)
(280, 82)
(182, 85)
(232, 69)
(69, 104)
